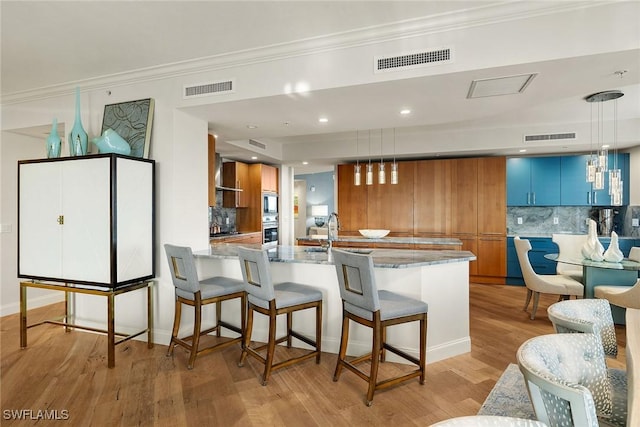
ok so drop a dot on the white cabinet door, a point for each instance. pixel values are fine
(40, 206)
(87, 220)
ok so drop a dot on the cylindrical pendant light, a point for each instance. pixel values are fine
(369, 174)
(382, 176)
(394, 165)
(356, 168)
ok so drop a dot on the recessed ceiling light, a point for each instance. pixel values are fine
(524, 150)
(323, 120)
(405, 111)
(305, 163)
(254, 157)
(252, 126)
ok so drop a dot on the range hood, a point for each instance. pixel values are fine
(218, 176)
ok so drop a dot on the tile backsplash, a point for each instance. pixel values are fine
(539, 220)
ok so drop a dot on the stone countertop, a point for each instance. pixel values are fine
(382, 258)
(405, 240)
(226, 235)
(545, 235)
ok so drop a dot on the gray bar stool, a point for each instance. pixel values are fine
(196, 293)
(271, 299)
(364, 304)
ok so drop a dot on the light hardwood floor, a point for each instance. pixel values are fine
(67, 371)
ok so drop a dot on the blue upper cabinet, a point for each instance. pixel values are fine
(576, 191)
(574, 188)
(533, 181)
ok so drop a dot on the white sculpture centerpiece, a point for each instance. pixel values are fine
(593, 249)
(613, 252)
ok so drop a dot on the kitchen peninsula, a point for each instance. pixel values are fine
(440, 278)
(384, 242)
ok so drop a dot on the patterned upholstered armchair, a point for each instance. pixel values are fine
(569, 383)
(586, 316)
(488, 421)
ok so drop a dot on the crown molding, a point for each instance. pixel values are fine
(494, 13)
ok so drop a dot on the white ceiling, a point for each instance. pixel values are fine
(49, 44)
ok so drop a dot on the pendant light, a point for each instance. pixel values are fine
(592, 161)
(394, 165)
(602, 166)
(382, 176)
(356, 168)
(369, 174)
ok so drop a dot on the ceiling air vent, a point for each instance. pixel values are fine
(550, 137)
(211, 88)
(412, 60)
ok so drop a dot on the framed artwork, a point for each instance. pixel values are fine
(132, 121)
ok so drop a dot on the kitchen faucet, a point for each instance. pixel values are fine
(330, 238)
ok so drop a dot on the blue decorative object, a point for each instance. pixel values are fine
(53, 141)
(111, 142)
(78, 138)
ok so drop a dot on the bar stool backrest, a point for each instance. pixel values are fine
(357, 279)
(254, 264)
(183, 268)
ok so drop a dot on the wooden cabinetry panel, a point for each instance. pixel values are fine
(470, 243)
(211, 173)
(235, 175)
(269, 175)
(390, 207)
(464, 197)
(352, 201)
(432, 197)
(492, 193)
(492, 257)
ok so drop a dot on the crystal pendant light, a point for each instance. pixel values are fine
(600, 162)
(382, 175)
(394, 165)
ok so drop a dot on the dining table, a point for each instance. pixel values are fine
(596, 273)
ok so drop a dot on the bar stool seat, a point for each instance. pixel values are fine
(190, 290)
(364, 304)
(271, 300)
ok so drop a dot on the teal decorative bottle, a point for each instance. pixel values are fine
(78, 137)
(53, 141)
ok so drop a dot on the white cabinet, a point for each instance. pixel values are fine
(86, 220)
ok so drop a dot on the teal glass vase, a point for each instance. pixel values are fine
(53, 141)
(78, 138)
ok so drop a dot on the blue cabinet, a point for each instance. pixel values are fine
(576, 191)
(533, 181)
(540, 246)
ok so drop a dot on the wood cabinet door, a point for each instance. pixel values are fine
(492, 256)
(492, 193)
(390, 207)
(211, 174)
(269, 178)
(235, 175)
(352, 200)
(464, 196)
(432, 197)
(470, 243)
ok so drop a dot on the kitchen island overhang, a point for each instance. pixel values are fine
(438, 277)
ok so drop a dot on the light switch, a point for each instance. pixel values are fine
(520, 220)
(555, 220)
(634, 222)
